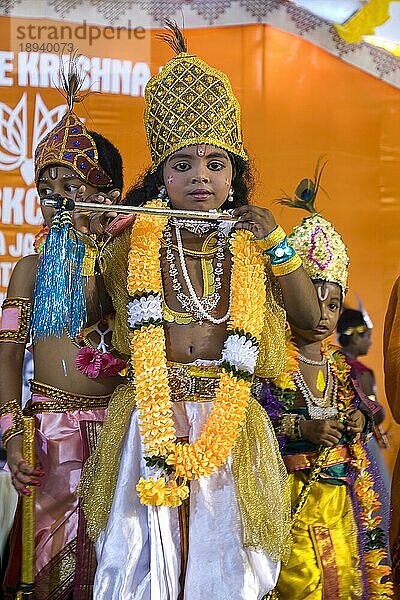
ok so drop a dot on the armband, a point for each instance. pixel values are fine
(14, 325)
(11, 420)
(283, 258)
(272, 239)
(290, 264)
(289, 425)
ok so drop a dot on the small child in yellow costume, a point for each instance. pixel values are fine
(321, 421)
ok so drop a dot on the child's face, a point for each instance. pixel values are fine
(329, 298)
(198, 177)
(64, 181)
(363, 342)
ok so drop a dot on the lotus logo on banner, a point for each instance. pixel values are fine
(14, 134)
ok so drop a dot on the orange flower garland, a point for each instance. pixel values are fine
(148, 353)
(368, 499)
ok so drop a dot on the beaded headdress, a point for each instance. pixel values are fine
(69, 143)
(188, 102)
(319, 245)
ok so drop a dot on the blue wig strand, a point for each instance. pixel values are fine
(76, 299)
(59, 296)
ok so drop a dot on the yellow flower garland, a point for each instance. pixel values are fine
(148, 354)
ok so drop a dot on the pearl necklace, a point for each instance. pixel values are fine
(319, 408)
(199, 307)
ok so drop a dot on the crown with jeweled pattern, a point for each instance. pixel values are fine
(188, 102)
(69, 143)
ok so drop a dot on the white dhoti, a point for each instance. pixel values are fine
(139, 552)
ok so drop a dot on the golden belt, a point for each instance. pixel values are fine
(296, 462)
(62, 401)
(192, 383)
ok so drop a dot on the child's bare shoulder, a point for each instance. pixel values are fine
(23, 277)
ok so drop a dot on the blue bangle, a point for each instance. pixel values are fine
(280, 253)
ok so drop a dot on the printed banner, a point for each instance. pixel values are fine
(115, 64)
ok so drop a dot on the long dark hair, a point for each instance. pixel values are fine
(147, 187)
(109, 158)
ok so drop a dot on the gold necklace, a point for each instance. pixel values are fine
(208, 249)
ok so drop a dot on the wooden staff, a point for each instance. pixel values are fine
(28, 517)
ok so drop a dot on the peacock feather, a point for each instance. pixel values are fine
(174, 37)
(72, 81)
(306, 191)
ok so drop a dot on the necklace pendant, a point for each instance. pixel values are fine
(196, 227)
(321, 384)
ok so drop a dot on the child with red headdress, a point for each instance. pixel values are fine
(75, 372)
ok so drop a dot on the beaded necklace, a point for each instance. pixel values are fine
(201, 307)
(319, 408)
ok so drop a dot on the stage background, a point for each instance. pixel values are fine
(298, 102)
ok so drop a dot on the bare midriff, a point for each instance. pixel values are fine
(55, 357)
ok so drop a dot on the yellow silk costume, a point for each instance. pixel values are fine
(338, 550)
(323, 561)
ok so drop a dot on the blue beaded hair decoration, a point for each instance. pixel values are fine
(59, 297)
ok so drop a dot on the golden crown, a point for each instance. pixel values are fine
(188, 102)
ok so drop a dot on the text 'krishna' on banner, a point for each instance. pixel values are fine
(115, 65)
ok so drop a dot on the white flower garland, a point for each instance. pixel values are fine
(144, 309)
(240, 352)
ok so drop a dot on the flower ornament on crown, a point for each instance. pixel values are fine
(69, 143)
(316, 241)
(190, 103)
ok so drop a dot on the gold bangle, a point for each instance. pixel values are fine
(20, 334)
(12, 407)
(272, 239)
(287, 267)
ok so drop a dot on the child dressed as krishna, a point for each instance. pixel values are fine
(67, 327)
(339, 550)
(186, 495)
